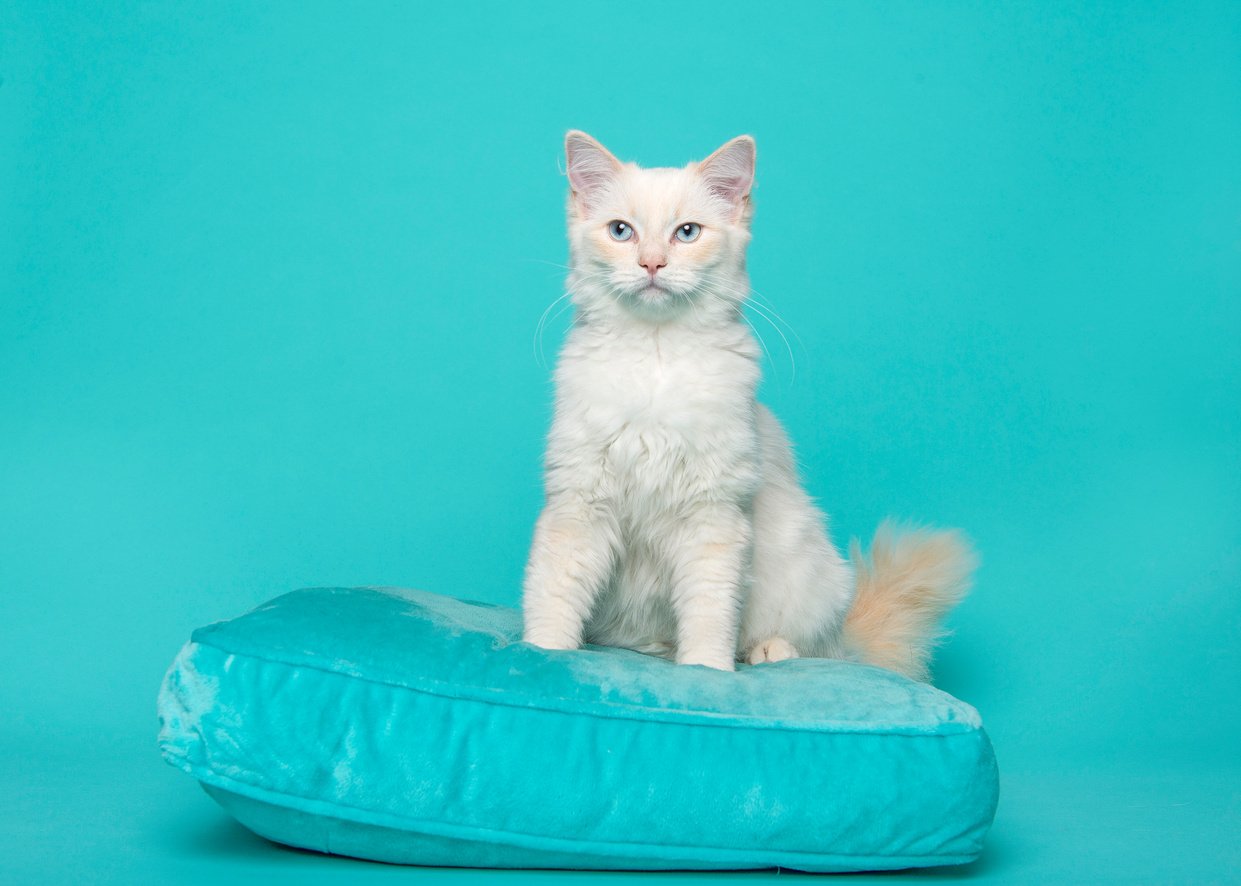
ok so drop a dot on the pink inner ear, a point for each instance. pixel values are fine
(587, 179)
(729, 172)
(730, 189)
(590, 167)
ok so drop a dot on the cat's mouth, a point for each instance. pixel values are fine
(652, 295)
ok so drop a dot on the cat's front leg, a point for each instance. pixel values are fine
(572, 555)
(709, 569)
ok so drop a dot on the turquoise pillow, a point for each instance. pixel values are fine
(409, 727)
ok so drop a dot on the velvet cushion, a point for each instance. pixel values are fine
(410, 727)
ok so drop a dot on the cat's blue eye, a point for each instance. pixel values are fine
(689, 232)
(620, 230)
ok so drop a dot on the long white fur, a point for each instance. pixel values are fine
(675, 522)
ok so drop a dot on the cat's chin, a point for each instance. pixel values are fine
(655, 303)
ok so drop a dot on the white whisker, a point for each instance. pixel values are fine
(741, 316)
(787, 347)
(762, 307)
(541, 327)
(553, 264)
(537, 343)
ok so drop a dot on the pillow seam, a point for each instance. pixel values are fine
(613, 712)
(446, 828)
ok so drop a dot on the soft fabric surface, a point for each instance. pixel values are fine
(409, 727)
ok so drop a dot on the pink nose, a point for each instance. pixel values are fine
(653, 264)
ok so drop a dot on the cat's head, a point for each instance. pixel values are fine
(659, 242)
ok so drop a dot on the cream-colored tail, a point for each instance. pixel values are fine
(911, 580)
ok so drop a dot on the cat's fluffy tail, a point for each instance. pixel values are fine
(904, 589)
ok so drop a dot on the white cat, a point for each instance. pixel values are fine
(674, 522)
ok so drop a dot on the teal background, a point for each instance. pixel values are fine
(269, 283)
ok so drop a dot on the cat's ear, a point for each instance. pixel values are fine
(590, 167)
(729, 173)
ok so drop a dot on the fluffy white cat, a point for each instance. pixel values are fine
(675, 523)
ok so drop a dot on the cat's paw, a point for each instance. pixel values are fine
(708, 659)
(772, 649)
(550, 639)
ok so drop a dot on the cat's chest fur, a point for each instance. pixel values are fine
(668, 414)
